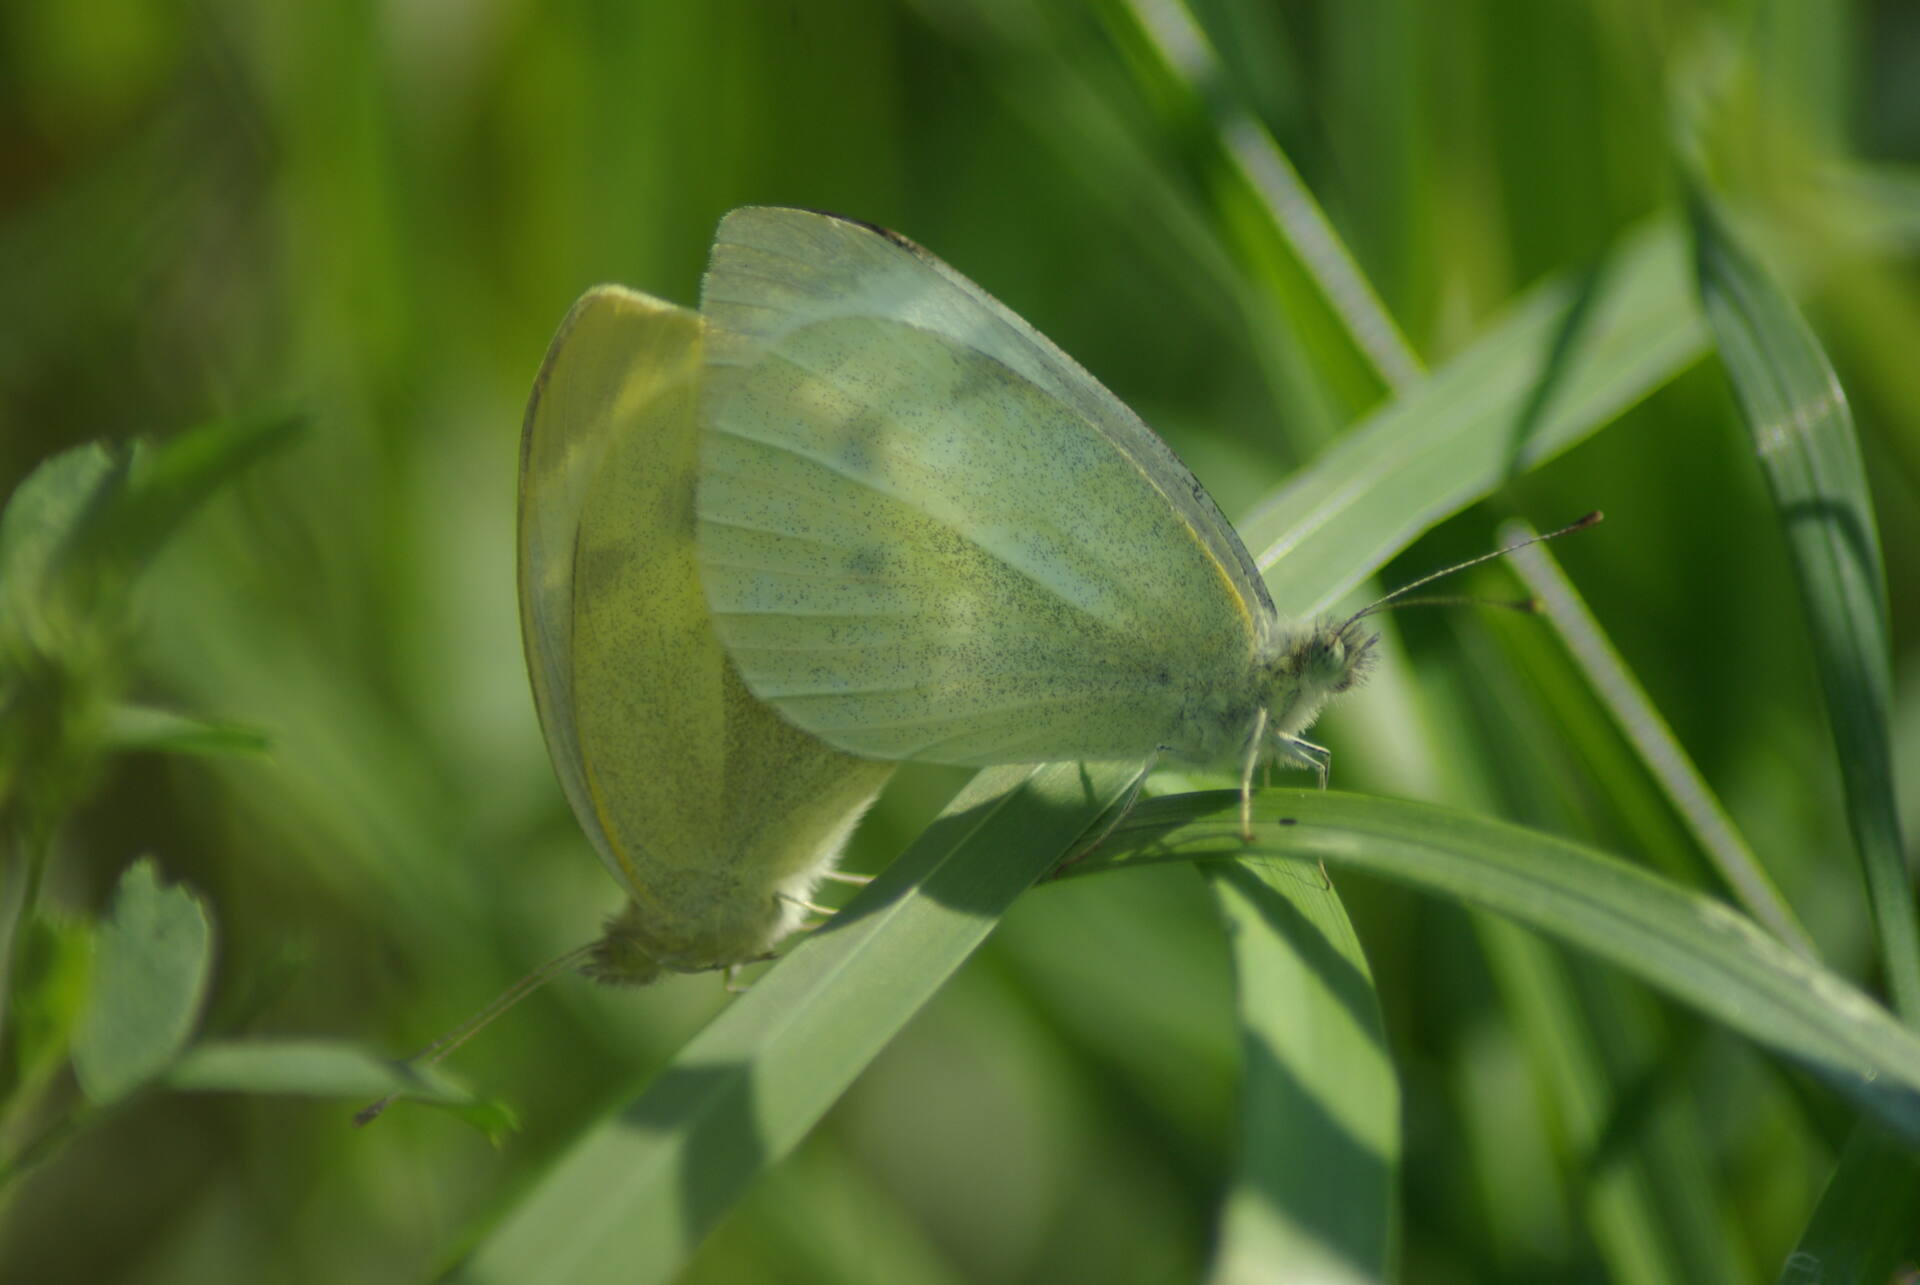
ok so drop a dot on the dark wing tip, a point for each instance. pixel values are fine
(865, 225)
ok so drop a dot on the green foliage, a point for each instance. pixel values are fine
(636, 1196)
(153, 955)
(1316, 1081)
(74, 538)
(1367, 266)
(1804, 437)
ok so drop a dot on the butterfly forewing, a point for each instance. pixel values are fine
(704, 802)
(917, 548)
(774, 269)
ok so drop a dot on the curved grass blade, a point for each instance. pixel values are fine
(1571, 1048)
(1058, 71)
(1864, 1224)
(132, 727)
(1319, 1136)
(1279, 232)
(1803, 435)
(168, 482)
(633, 1199)
(1693, 948)
(1603, 1053)
(1277, 229)
(1664, 758)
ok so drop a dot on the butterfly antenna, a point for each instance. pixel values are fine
(1384, 603)
(460, 1034)
(1528, 605)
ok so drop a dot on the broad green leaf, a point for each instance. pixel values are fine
(1803, 435)
(636, 1195)
(150, 974)
(1567, 359)
(1693, 948)
(1312, 1196)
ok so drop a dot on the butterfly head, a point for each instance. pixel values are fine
(1311, 667)
(1306, 669)
(1336, 655)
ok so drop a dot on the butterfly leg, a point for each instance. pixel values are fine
(811, 906)
(859, 881)
(1255, 742)
(731, 972)
(1317, 757)
(1117, 813)
(1305, 753)
(826, 913)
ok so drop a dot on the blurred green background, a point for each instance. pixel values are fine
(375, 214)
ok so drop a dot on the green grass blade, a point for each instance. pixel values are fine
(1313, 1190)
(1803, 434)
(1264, 210)
(169, 481)
(328, 1069)
(1567, 1050)
(1571, 355)
(1882, 202)
(1664, 758)
(1603, 1053)
(1058, 70)
(144, 728)
(1867, 1218)
(632, 1199)
(1568, 359)
(1694, 949)
(1313, 1187)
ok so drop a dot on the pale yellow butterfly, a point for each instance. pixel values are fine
(715, 815)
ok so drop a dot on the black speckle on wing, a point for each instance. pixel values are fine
(884, 233)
